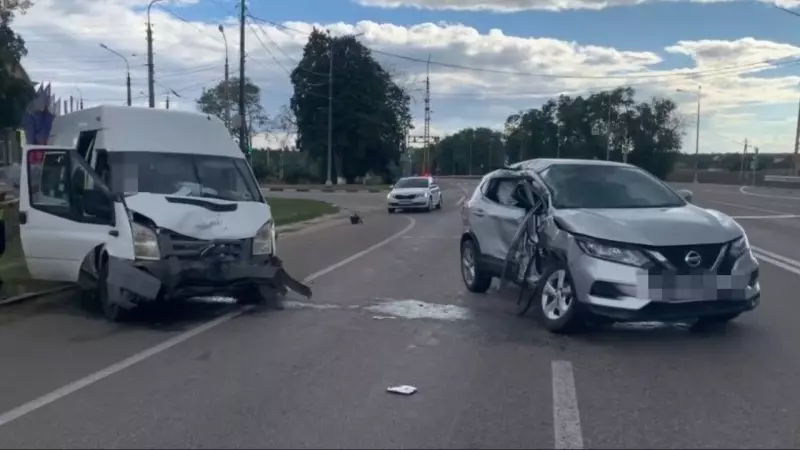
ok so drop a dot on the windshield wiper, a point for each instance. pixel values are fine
(217, 196)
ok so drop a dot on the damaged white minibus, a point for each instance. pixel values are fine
(147, 205)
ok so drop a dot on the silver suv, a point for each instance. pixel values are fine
(604, 241)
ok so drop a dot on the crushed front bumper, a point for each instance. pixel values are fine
(176, 278)
(628, 293)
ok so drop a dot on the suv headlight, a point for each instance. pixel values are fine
(263, 242)
(608, 252)
(740, 246)
(145, 242)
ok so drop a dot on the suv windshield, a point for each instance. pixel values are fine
(601, 186)
(182, 174)
(411, 183)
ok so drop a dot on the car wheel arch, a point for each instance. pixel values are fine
(470, 236)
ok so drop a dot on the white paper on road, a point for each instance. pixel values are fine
(402, 390)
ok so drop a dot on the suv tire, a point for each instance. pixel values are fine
(555, 304)
(475, 278)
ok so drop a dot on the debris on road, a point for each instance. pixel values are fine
(402, 390)
(415, 309)
(355, 218)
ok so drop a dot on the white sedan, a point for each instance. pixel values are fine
(420, 193)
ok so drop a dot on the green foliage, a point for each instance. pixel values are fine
(15, 92)
(470, 151)
(370, 111)
(291, 167)
(225, 96)
(579, 127)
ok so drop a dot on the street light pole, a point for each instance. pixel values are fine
(243, 126)
(697, 130)
(128, 69)
(227, 82)
(328, 181)
(150, 77)
(608, 132)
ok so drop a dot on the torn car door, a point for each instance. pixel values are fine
(524, 244)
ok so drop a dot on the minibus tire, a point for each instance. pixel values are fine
(112, 311)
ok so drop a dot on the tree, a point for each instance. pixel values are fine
(16, 92)
(470, 151)
(225, 97)
(648, 134)
(370, 111)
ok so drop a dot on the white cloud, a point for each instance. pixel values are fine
(64, 38)
(510, 6)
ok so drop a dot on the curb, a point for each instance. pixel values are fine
(32, 295)
(329, 190)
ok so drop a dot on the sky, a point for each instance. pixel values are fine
(489, 58)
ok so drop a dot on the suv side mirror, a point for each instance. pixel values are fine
(98, 204)
(686, 195)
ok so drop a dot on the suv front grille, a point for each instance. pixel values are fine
(676, 255)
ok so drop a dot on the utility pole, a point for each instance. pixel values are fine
(167, 103)
(227, 82)
(754, 166)
(558, 140)
(150, 71)
(796, 144)
(328, 181)
(744, 158)
(697, 135)
(427, 132)
(608, 132)
(471, 138)
(242, 117)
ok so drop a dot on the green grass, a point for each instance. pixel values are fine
(291, 210)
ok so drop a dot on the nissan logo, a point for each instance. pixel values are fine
(693, 259)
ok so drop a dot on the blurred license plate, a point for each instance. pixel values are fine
(683, 288)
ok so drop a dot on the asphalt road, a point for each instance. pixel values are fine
(396, 312)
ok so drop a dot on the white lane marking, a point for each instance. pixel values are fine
(743, 190)
(752, 208)
(774, 255)
(367, 250)
(460, 201)
(787, 267)
(781, 216)
(75, 386)
(566, 417)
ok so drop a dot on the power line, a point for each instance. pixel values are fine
(774, 62)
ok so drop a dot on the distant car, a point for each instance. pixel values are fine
(607, 241)
(419, 193)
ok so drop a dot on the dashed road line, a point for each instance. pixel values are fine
(566, 416)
